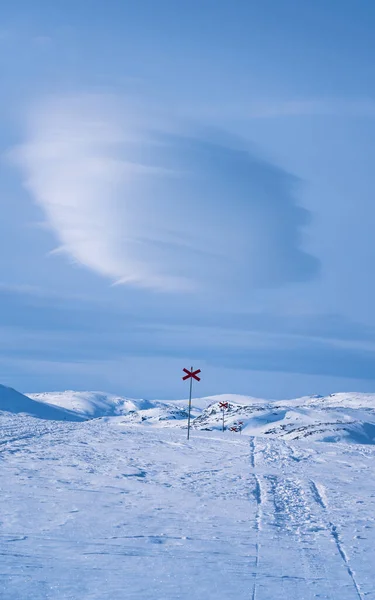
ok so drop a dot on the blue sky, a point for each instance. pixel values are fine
(187, 183)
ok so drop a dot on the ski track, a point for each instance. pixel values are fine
(299, 509)
(336, 537)
(257, 493)
(345, 558)
(252, 451)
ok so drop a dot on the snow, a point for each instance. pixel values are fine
(119, 507)
(89, 405)
(14, 402)
(338, 417)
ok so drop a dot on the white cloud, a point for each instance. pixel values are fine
(72, 171)
(158, 210)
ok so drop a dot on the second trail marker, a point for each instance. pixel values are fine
(223, 406)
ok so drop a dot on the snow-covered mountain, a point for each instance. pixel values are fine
(93, 405)
(89, 405)
(338, 417)
(13, 402)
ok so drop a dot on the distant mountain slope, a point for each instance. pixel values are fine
(339, 417)
(14, 402)
(200, 404)
(91, 405)
(88, 405)
(346, 417)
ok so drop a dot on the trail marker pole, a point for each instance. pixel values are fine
(223, 406)
(190, 375)
(237, 426)
(191, 388)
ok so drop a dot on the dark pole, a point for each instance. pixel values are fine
(223, 418)
(191, 387)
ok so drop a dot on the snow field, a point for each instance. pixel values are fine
(121, 506)
(99, 509)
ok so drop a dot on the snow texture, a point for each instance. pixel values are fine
(118, 507)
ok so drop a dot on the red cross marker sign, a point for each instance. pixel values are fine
(192, 374)
(223, 405)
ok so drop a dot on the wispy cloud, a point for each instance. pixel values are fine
(313, 106)
(292, 107)
(83, 332)
(160, 210)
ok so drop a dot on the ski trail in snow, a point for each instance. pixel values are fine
(297, 507)
(293, 511)
(252, 451)
(257, 493)
(318, 496)
(288, 515)
(258, 497)
(258, 526)
(345, 558)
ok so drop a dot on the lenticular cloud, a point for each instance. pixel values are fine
(146, 207)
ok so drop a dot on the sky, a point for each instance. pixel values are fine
(187, 183)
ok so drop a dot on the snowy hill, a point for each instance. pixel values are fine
(92, 405)
(348, 417)
(89, 405)
(339, 417)
(14, 402)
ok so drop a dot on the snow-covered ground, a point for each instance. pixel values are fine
(123, 508)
